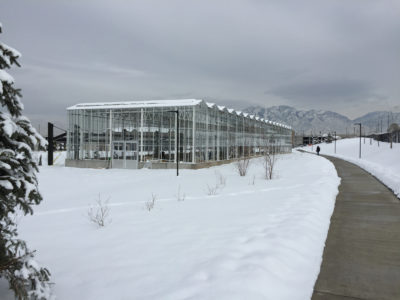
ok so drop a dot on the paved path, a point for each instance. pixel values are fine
(362, 253)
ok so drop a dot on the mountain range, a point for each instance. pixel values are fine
(305, 121)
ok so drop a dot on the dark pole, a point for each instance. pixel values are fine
(359, 156)
(50, 143)
(335, 142)
(360, 141)
(177, 140)
(364, 135)
(312, 141)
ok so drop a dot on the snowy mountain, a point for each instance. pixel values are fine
(379, 120)
(319, 120)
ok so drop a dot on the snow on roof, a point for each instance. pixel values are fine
(210, 105)
(165, 103)
(136, 104)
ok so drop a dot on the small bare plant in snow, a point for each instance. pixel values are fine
(212, 189)
(100, 212)
(151, 203)
(180, 196)
(270, 159)
(253, 180)
(242, 166)
(221, 179)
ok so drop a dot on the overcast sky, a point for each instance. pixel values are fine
(340, 55)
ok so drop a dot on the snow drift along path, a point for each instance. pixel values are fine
(381, 161)
(250, 241)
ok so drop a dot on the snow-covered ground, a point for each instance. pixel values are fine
(254, 239)
(381, 161)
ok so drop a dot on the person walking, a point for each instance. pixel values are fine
(318, 150)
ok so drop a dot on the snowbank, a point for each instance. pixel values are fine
(381, 161)
(254, 239)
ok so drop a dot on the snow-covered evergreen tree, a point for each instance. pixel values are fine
(18, 187)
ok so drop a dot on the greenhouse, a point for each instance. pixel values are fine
(156, 133)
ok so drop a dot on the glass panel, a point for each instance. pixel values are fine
(129, 151)
(134, 151)
(118, 151)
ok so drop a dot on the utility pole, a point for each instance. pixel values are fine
(177, 140)
(364, 135)
(388, 123)
(359, 155)
(312, 141)
(335, 142)
(391, 140)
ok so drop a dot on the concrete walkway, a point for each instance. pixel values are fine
(361, 258)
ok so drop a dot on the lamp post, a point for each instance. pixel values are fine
(312, 141)
(177, 140)
(335, 142)
(359, 156)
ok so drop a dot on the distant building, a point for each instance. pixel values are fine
(132, 134)
(391, 136)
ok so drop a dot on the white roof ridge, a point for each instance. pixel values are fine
(168, 103)
(210, 104)
(139, 103)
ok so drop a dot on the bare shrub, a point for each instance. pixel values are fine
(269, 162)
(99, 213)
(221, 179)
(151, 203)
(179, 195)
(253, 180)
(242, 165)
(212, 189)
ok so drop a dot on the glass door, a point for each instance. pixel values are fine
(131, 155)
(118, 155)
(125, 155)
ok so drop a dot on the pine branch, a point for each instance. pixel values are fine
(14, 261)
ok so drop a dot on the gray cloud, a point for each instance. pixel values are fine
(313, 92)
(308, 54)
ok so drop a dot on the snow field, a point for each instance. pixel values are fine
(249, 241)
(381, 161)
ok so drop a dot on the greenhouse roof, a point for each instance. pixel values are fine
(136, 104)
(165, 103)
